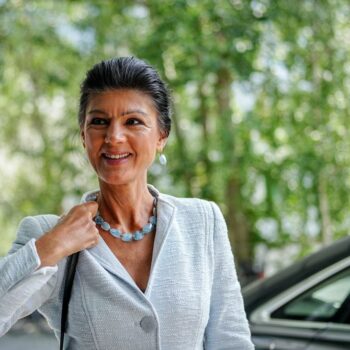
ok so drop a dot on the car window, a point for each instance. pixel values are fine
(321, 303)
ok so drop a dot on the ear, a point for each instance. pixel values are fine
(82, 135)
(161, 143)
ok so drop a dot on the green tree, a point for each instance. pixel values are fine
(260, 108)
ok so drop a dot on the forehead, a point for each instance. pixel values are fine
(118, 101)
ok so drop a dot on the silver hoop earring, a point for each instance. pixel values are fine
(162, 159)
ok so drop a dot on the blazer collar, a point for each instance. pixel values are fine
(102, 253)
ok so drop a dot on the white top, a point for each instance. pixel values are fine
(192, 301)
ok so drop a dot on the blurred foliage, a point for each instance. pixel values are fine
(261, 99)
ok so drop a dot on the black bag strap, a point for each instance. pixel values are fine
(71, 265)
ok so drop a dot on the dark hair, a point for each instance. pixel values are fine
(127, 73)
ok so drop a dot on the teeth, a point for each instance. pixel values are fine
(117, 156)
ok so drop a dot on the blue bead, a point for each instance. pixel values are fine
(105, 225)
(115, 232)
(138, 235)
(127, 237)
(147, 228)
(98, 220)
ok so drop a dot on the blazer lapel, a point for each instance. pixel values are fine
(165, 217)
(102, 253)
(109, 261)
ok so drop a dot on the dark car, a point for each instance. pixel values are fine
(305, 306)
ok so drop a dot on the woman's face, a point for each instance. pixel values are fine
(121, 135)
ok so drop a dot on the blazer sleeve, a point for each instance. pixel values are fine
(24, 287)
(227, 327)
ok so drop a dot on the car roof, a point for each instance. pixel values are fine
(260, 291)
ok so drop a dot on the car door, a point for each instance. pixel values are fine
(284, 337)
(313, 315)
(337, 332)
(331, 339)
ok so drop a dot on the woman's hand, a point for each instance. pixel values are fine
(74, 232)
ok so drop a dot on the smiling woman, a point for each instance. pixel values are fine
(154, 271)
(121, 139)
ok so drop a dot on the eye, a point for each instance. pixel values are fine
(98, 121)
(133, 121)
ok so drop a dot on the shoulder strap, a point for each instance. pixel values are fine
(68, 284)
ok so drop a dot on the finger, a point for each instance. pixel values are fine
(93, 243)
(91, 207)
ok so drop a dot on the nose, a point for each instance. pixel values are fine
(115, 133)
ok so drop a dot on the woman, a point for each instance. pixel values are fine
(155, 271)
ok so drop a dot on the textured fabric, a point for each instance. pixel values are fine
(192, 300)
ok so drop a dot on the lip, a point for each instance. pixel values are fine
(111, 157)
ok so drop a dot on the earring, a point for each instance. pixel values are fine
(85, 157)
(162, 159)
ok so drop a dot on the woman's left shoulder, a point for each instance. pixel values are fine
(193, 206)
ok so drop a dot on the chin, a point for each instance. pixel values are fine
(117, 180)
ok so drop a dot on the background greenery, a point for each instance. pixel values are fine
(261, 109)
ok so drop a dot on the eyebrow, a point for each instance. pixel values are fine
(131, 111)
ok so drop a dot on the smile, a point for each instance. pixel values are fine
(116, 156)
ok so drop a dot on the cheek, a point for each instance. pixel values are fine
(93, 138)
(149, 144)
(88, 145)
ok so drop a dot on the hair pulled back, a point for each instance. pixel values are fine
(127, 73)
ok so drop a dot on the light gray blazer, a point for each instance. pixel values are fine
(192, 301)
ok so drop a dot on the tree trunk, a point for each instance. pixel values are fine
(235, 216)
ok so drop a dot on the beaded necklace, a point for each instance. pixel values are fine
(130, 236)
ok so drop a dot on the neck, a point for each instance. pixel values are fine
(125, 206)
